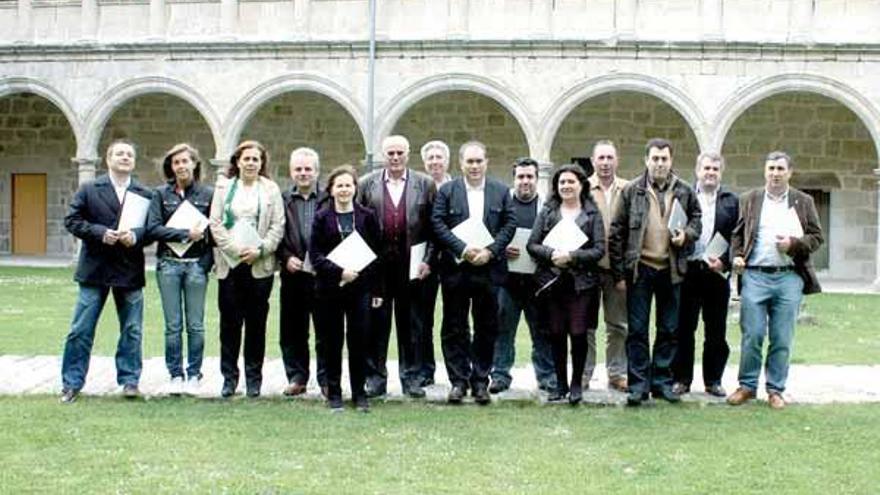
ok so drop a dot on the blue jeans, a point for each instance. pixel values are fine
(651, 371)
(769, 305)
(182, 288)
(78, 346)
(511, 305)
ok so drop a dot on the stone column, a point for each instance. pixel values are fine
(713, 20)
(157, 19)
(89, 16)
(545, 172)
(876, 284)
(218, 166)
(228, 19)
(24, 22)
(86, 168)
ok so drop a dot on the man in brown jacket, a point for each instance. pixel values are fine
(772, 255)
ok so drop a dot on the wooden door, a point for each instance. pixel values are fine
(29, 213)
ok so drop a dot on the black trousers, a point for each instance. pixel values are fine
(243, 300)
(651, 371)
(708, 291)
(343, 316)
(430, 289)
(403, 301)
(469, 361)
(297, 303)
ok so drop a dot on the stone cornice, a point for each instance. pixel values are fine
(262, 49)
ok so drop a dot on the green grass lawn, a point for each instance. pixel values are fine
(107, 445)
(36, 305)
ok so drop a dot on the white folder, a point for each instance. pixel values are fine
(352, 253)
(524, 263)
(416, 256)
(134, 212)
(186, 217)
(565, 236)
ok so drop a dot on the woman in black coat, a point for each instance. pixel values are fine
(344, 296)
(567, 280)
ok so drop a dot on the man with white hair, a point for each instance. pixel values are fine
(402, 199)
(297, 300)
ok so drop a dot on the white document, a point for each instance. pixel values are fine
(716, 248)
(416, 256)
(307, 265)
(565, 236)
(244, 235)
(677, 218)
(134, 212)
(352, 253)
(474, 233)
(792, 226)
(524, 263)
(186, 217)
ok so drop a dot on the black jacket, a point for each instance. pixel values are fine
(584, 265)
(726, 216)
(93, 210)
(165, 202)
(326, 236)
(291, 244)
(451, 208)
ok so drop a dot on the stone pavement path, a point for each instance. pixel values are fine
(807, 384)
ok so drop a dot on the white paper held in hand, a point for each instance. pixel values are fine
(792, 226)
(352, 253)
(473, 232)
(716, 248)
(524, 262)
(186, 217)
(244, 235)
(565, 236)
(677, 218)
(416, 256)
(134, 212)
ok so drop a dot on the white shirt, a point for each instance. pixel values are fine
(395, 186)
(476, 197)
(707, 205)
(121, 188)
(773, 216)
(246, 202)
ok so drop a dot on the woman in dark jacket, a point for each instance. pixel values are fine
(344, 296)
(568, 279)
(182, 278)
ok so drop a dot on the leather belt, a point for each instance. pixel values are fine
(771, 269)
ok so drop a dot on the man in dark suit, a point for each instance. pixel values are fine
(471, 274)
(297, 299)
(706, 284)
(771, 252)
(110, 260)
(402, 199)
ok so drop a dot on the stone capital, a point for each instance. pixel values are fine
(86, 168)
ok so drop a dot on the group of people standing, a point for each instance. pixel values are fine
(617, 244)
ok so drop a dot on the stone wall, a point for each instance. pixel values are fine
(832, 151)
(456, 117)
(155, 123)
(629, 119)
(35, 137)
(305, 118)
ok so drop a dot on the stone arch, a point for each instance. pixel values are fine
(638, 83)
(747, 96)
(13, 85)
(239, 116)
(117, 96)
(406, 98)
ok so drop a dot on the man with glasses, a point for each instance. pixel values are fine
(402, 199)
(471, 273)
(517, 295)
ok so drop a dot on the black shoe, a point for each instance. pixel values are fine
(481, 395)
(666, 394)
(374, 389)
(716, 390)
(576, 395)
(679, 388)
(547, 387)
(413, 390)
(362, 404)
(130, 391)
(253, 392)
(335, 404)
(498, 386)
(228, 389)
(635, 399)
(426, 381)
(69, 395)
(456, 395)
(557, 394)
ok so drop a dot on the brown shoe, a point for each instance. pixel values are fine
(617, 383)
(294, 388)
(741, 396)
(776, 401)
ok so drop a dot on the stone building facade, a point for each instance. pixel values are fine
(529, 77)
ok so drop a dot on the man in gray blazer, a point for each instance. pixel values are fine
(402, 199)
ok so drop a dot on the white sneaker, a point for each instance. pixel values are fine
(193, 386)
(175, 387)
